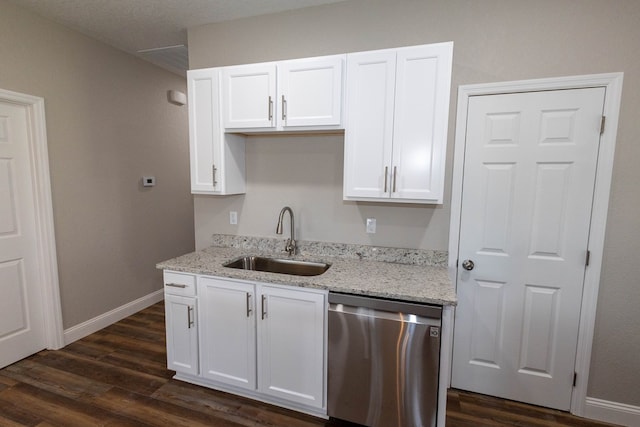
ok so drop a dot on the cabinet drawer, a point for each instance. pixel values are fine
(179, 283)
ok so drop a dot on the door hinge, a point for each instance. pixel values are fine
(457, 263)
(602, 122)
(575, 378)
(586, 261)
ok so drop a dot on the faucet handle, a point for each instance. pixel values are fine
(290, 247)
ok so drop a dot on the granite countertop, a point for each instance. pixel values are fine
(350, 272)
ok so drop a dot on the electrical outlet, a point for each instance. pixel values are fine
(371, 225)
(233, 217)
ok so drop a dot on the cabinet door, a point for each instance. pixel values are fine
(291, 345)
(369, 130)
(423, 81)
(249, 96)
(182, 334)
(227, 332)
(204, 123)
(310, 92)
(217, 159)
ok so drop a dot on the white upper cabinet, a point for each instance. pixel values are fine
(304, 94)
(217, 160)
(310, 92)
(249, 96)
(396, 135)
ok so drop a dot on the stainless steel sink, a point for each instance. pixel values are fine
(282, 266)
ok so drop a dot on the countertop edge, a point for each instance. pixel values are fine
(414, 283)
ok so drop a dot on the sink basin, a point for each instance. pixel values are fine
(282, 266)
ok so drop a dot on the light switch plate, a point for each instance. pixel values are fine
(371, 225)
(233, 217)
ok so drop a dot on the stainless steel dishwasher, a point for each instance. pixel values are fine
(384, 359)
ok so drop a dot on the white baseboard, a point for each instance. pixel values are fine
(77, 332)
(612, 412)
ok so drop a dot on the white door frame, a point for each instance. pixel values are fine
(47, 263)
(613, 84)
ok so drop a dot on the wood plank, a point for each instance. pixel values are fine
(58, 409)
(54, 380)
(127, 330)
(163, 414)
(102, 372)
(145, 348)
(243, 411)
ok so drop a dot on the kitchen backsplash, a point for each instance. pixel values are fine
(309, 248)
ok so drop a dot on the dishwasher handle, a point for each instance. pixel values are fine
(424, 310)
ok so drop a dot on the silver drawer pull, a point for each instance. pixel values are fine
(395, 170)
(190, 321)
(248, 304)
(386, 173)
(175, 285)
(284, 108)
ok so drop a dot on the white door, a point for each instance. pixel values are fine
(310, 92)
(21, 305)
(530, 164)
(182, 334)
(291, 347)
(227, 331)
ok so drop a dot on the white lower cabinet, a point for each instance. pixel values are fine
(182, 334)
(227, 332)
(263, 341)
(291, 345)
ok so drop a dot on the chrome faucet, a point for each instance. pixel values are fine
(291, 242)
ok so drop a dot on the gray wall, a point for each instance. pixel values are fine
(108, 123)
(495, 40)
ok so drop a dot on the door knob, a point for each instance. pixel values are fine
(467, 264)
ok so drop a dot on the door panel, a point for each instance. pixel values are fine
(370, 98)
(21, 306)
(530, 164)
(291, 353)
(227, 354)
(249, 96)
(311, 92)
(423, 82)
(182, 334)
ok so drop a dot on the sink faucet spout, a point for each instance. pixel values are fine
(291, 242)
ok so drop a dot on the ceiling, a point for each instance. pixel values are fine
(155, 30)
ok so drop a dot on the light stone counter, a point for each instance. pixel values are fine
(354, 269)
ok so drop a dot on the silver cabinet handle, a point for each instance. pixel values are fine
(249, 304)
(264, 307)
(395, 170)
(270, 108)
(386, 173)
(175, 285)
(284, 108)
(214, 169)
(189, 317)
(468, 265)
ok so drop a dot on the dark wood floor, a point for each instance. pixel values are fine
(118, 377)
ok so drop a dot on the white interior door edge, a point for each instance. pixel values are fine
(44, 215)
